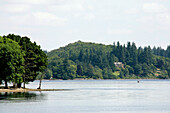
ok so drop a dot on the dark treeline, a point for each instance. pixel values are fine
(97, 61)
(20, 60)
(161, 52)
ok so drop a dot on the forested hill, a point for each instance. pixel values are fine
(97, 61)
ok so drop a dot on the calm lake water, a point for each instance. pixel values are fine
(91, 96)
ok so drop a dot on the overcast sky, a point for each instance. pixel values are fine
(55, 23)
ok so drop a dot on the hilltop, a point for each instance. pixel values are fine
(97, 61)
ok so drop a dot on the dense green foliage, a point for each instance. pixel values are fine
(34, 59)
(90, 60)
(22, 60)
(11, 65)
(161, 52)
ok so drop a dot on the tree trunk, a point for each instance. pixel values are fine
(14, 85)
(40, 82)
(41, 79)
(19, 85)
(24, 82)
(6, 84)
(24, 85)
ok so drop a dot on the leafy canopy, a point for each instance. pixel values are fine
(11, 57)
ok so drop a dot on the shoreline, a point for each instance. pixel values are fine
(98, 79)
(31, 90)
(28, 90)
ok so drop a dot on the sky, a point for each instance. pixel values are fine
(56, 23)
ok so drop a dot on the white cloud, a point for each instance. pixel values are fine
(163, 18)
(45, 18)
(29, 1)
(89, 16)
(66, 7)
(163, 21)
(78, 14)
(17, 20)
(14, 8)
(108, 18)
(18, 23)
(158, 19)
(132, 11)
(90, 7)
(157, 22)
(33, 19)
(35, 1)
(43, 2)
(145, 19)
(119, 31)
(154, 8)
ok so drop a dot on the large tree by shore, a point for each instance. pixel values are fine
(35, 60)
(11, 61)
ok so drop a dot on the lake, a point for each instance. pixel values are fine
(91, 96)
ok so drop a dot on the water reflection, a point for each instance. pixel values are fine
(21, 96)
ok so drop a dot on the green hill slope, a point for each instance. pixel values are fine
(91, 60)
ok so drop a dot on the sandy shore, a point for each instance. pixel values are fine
(27, 90)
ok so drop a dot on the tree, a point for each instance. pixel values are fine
(79, 70)
(146, 56)
(42, 64)
(168, 52)
(105, 73)
(126, 72)
(130, 69)
(121, 75)
(90, 71)
(11, 65)
(146, 69)
(160, 63)
(64, 69)
(134, 54)
(35, 60)
(97, 73)
(48, 74)
(138, 69)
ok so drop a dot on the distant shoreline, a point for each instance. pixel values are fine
(102, 79)
(28, 90)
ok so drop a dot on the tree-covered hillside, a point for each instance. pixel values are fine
(90, 60)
